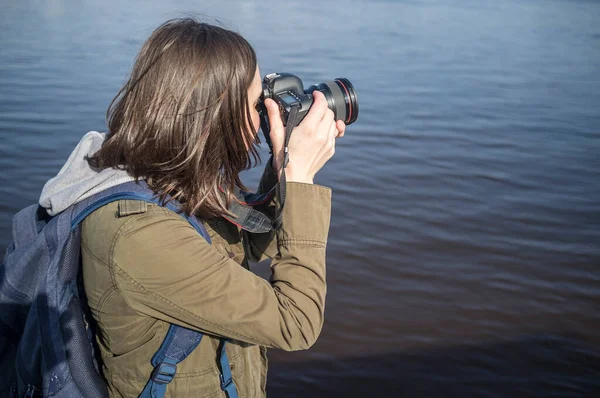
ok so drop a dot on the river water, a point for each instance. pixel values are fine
(464, 253)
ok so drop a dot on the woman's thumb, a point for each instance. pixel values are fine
(277, 130)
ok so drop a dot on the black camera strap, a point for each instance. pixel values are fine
(249, 218)
(289, 127)
(246, 216)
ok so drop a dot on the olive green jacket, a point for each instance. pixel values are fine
(145, 267)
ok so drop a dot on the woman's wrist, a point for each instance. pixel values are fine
(303, 181)
(290, 176)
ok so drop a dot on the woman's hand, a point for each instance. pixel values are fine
(312, 142)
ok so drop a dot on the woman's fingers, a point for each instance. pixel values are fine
(277, 130)
(341, 128)
(333, 133)
(277, 133)
(317, 109)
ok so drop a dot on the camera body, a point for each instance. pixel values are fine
(288, 91)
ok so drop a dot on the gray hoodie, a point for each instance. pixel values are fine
(77, 180)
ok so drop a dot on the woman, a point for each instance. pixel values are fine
(186, 122)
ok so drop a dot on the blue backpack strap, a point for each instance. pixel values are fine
(179, 341)
(178, 344)
(227, 383)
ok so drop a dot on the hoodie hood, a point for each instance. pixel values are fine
(77, 180)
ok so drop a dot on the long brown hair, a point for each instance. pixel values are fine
(182, 119)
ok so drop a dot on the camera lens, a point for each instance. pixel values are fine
(341, 98)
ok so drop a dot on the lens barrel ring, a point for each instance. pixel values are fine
(350, 99)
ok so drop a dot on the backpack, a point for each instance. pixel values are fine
(47, 344)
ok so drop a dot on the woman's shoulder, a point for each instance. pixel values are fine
(122, 213)
(126, 220)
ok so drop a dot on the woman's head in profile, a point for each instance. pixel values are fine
(185, 120)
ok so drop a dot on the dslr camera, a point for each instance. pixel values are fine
(288, 91)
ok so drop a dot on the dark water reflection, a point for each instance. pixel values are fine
(464, 254)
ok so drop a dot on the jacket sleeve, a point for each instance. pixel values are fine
(166, 270)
